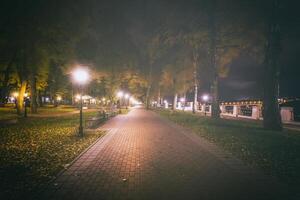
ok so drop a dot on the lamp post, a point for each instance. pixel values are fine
(15, 95)
(126, 96)
(26, 104)
(120, 95)
(205, 98)
(80, 76)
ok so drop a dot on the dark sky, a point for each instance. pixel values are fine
(245, 77)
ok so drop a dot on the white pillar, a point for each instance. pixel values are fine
(255, 112)
(287, 114)
(179, 105)
(235, 110)
(222, 108)
(166, 105)
(203, 108)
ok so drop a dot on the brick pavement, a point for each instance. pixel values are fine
(144, 156)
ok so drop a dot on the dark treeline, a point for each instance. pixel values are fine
(154, 49)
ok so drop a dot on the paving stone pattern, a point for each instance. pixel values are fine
(144, 156)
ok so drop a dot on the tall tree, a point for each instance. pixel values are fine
(271, 114)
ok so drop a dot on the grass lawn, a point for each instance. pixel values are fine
(7, 113)
(56, 110)
(277, 153)
(33, 151)
(10, 112)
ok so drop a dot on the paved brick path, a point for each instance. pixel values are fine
(146, 157)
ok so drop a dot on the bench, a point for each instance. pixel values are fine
(102, 116)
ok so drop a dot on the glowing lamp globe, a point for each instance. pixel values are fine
(205, 97)
(80, 76)
(15, 94)
(120, 94)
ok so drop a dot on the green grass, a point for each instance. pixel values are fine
(277, 153)
(34, 150)
(7, 113)
(56, 110)
(10, 112)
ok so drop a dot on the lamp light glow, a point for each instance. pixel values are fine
(15, 94)
(120, 94)
(205, 97)
(80, 75)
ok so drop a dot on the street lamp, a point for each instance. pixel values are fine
(80, 76)
(58, 98)
(120, 95)
(126, 96)
(205, 98)
(27, 102)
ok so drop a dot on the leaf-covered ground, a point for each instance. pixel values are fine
(277, 153)
(34, 150)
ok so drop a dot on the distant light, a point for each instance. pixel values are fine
(165, 101)
(205, 97)
(15, 94)
(58, 98)
(182, 99)
(85, 97)
(93, 100)
(26, 95)
(78, 96)
(126, 96)
(103, 99)
(120, 94)
(80, 75)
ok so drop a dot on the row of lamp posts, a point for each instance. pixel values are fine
(81, 77)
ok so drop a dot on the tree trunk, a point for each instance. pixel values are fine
(195, 102)
(158, 97)
(33, 102)
(149, 87)
(39, 98)
(215, 106)
(20, 98)
(148, 97)
(271, 111)
(175, 101)
(215, 113)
